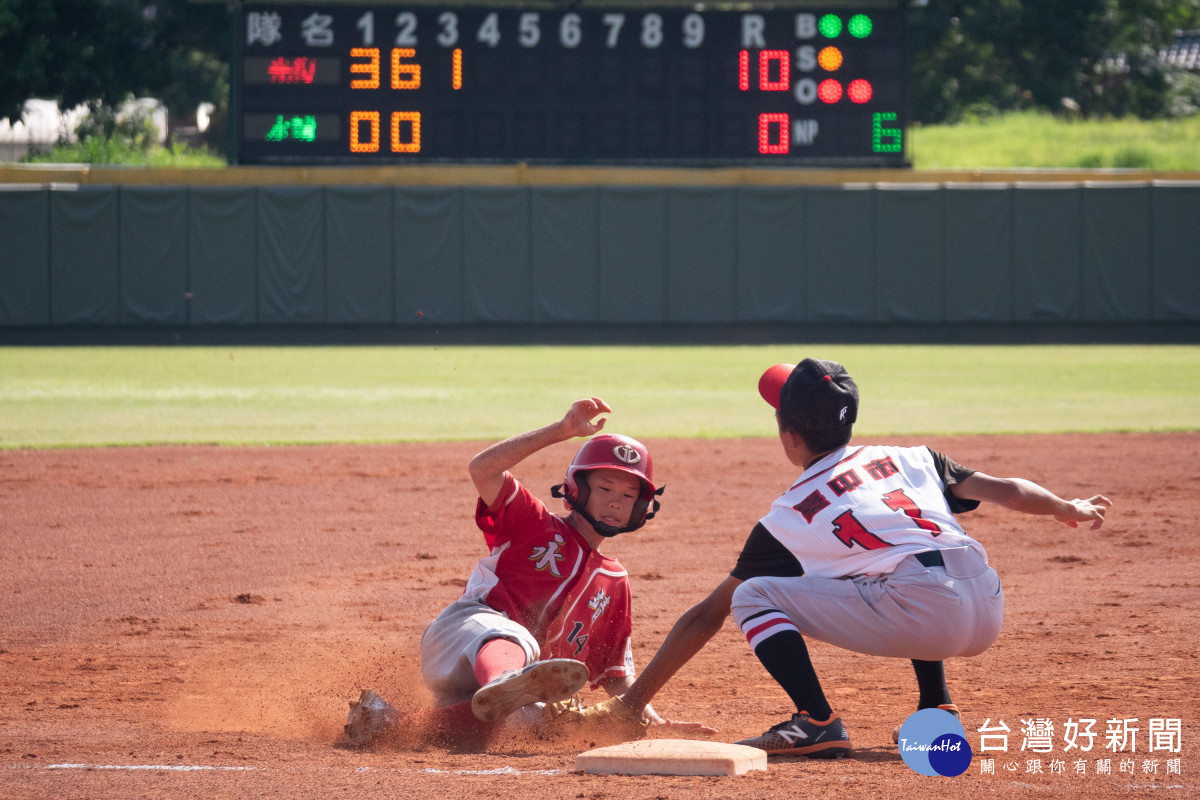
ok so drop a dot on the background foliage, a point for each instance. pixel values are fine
(1035, 139)
(1094, 57)
(100, 52)
(969, 59)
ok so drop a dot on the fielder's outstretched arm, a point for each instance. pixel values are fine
(1019, 494)
(688, 636)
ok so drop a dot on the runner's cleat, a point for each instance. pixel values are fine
(540, 682)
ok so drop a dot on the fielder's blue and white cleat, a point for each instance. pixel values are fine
(801, 736)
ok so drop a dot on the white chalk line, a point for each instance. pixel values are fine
(213, 768)
(497, 771)
(156, 767)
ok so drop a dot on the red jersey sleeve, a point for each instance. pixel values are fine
(514, 509)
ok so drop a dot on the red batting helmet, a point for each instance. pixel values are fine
(611, 451)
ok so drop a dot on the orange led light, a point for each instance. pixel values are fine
(413, 145)
(830, 58)
(357, 145)
(370, 68)
(405, 76)
(456, 69)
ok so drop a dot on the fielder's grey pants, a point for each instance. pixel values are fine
(916, 612)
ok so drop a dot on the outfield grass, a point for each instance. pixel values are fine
(1037, 139)
(55, 397)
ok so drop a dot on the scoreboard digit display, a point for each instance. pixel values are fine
(798, 85)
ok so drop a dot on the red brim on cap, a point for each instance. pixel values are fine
(771, 383)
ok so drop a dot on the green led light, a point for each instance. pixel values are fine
(302, 128)
(859, 26)
(886, 140)
(830, 26)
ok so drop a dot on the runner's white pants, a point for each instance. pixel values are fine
(451, 642)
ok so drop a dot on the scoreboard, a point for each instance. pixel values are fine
(621, 84)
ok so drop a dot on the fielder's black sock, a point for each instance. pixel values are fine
(786, 658)
(931, 682)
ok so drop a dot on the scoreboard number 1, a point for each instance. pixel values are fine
(792, 85)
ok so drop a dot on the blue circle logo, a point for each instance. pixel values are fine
(933, 742)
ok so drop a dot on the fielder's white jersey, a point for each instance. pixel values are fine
(861, 509)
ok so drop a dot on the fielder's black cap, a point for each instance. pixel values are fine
(814, 395)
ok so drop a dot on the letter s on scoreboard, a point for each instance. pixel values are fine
(790, 85)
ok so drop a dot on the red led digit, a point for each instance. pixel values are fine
(413, 145)
(357, 145)
(744, 70)
(829, 90)
(859, 91)
(783, 58)
(766, 124)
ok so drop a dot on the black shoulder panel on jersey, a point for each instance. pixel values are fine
(763, 555)
(951, 473)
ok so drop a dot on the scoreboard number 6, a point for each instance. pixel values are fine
(590, 84)
(405, 126)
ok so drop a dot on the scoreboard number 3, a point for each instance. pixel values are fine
(755, 84)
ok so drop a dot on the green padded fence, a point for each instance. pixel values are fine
(599, 255)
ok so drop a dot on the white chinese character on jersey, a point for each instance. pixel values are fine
(548, 557)
(263, 27)
(316, 30)
(598, 604)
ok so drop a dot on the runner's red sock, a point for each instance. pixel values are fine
(497, 657)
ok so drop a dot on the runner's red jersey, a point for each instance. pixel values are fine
(543, 574)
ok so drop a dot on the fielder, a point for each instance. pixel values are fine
(545, 612)
(862, 551)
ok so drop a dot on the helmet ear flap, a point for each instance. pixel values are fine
(582, 491)
(574, 490)
(645, 508)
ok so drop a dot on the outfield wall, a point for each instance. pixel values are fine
(322, 255)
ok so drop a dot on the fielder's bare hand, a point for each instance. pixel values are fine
(651, 716)
(1090, 510)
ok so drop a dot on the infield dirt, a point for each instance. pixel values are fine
(214, 607)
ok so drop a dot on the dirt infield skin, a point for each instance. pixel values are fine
(191, 622)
